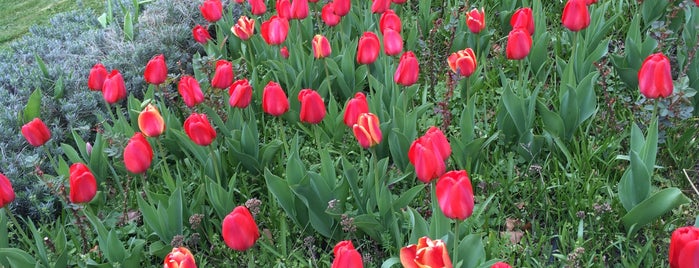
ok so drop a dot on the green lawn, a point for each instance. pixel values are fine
(17, 16)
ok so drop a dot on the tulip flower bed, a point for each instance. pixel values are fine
(382, 133)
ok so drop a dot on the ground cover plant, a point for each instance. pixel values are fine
(348, 134)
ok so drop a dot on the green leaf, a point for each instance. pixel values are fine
(18, 257)
(116, 251)
(407, 196)
(42, 66)
(390, 262)
(58, 89)
(418, 225)
(653, 208)
(473, 245)
(33, 108)
(128, 27)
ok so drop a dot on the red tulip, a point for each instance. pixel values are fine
(211, 10)
(392, 42)
(201, 35)
(408, 70)
(435, 138)
(399, 1)
(428, 154)
(283, 8)
(380, 6)
(355, 106)
(463, 62)
(299, 9)
(590, 2)
(475, 20)
(190, 91)
(346, 256)
(523, 18)
(180, 258)
(223, 76)
(327, 14)
(199, 129)
(575, 15)
(138, 154)
(312, 106)
(240, 94)
(96, 79)
(150, 122)
(83, 185)
(501, 265)
(284, 52)
(36, 132)
(257, 7)
(654, 78)
(426, 253)
(274, 101)
(7, 194)
(275, 30)
(455, 194)
(342, 7)
(389, 20)
(156, 70)
(367, 130)
(684, 247)
(244, 29)
(519, 43)
(239, 229)
(368, 48)
(114, 88)
(321, 46)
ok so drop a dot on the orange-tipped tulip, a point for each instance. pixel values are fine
(223, 76)
(368, 48)
(150, 122)
(83, 185)
(244, 29)
(138, 154)
(180, 258)
(463, 62)
(114, 88)
(475, 20)
(36, 132)
(7, 194)
(426, 253)
(523, 18)
(211, 10)
(392, 42)
(275, 30)
(274, 100)
(312, 106)
(190, 91)
(455, 194)
(200, 34)
(654, 78)
(519, 43)
(346, 256)
(156, 70)
(240, 94)
(239, 229)
(367, 130)
(96, 79)
(199, 129)
(575, 15)
(321, 46)
(355, 107)
(408, 70)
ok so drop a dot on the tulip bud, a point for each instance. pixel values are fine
(150, 122)
(223, 76)
(321, 46)
(312, 106)
(36, 132)
(367, 130)
(275, 30)
(201, 35)
(257, 7)
(190, 91)
(519, 43)
(426, 253)
(368, 48)
(346, 256)
(7, 194)
(240, 94)
(211, 10)
(180, 258)
(239, 229)
(199, 129)
(114, 88)
(392, 42)
(684, 246)
(455, 194)
(575, 15)
(96, 79)
(283, 8)
(523, 18)
(244, 29)
(284, 52)
(83, 185)
(342, 7)
(299, 9)
(327, 14)
(355, 107)
(463, 62)
(475, 20)
(274, 100)
(389, 20)
(654, 77)
(156, 70)
(408, 70)
(138, 154)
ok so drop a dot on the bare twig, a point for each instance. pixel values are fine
(690, 181)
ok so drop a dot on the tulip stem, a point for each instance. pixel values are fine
(327, 74)
(215, 165)
(16, 224)
(163, 158)
(282, 132)
(109, 108)
(456, 244)
(81, 227)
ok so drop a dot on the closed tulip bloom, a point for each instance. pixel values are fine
(346, 256)
(501, 265)
(408, 70)
(114, 88)
(428, 164)
(590, 2)
(7, 194)
(200, 34)
(367, 130)
(342, 7)
(244, 29)
(523, 18)
(274, 100)
(368, 48)
(455, 194)
(654, 78)
(275, 30)
(211, 10)
(426, 253)
(83, 185)
(199, 129)
(283, 8)
(190, 91)
(312, 106)
(380, 6)
(138, 154)
(96, 79)
(392, 42)
(36, 132)
(257, 7)
(435, 138)
(299, 9)
(463, 62)
(284, 52)
(240, 94)
(321, 46)
(327, 14)
(180, 258)
(355, 107)
(399, 1)
(223, 76)
(475, 20)
(156, 70)
(389, 20)
(575, 15)
(519, 43)
(150, 122)
(239, 229)
(683, 244)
